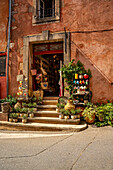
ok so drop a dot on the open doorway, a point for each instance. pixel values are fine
(47, 76)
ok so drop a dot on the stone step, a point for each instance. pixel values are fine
(49, 102)
(42, 126)
(50, 98)
(52, 120)
(46, 107)
(46, 113)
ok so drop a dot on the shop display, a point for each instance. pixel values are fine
(81, 89)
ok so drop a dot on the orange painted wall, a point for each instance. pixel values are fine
(91, 22)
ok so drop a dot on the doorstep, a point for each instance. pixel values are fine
(42, 126)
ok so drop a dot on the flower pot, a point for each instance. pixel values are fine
(21, 114)
(15, 120)
(78, 116)
(24, 120)
(73, 117)
(10, 119)
(66, 117)
(34, 109)
(26, 114)
(69, 105)
(57, 110)
(31, 115)
(61, 116)
(90, 121)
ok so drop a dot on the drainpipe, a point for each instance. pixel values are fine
(8, 46)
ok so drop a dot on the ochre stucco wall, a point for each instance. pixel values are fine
(91, 22)
(3, 40)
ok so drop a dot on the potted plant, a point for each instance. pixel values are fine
(66, 114)
(39, 100)
(61, 115)
(15, 117)
(73, 114)
(101, 112)
(24, 104)
(30, 104)
(21, 112)
(31, 114)
(89, 113)
(58, 107)
(11, 117)
(24, 119)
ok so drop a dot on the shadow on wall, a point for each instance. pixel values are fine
(102, 89)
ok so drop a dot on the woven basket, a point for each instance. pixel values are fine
(44, 85)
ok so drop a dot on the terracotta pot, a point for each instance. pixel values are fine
(10, 119)
(31, 115)
(15, 120)
(90, 121)
(66, 117)
(73, 117)
(69, 105)
(57, 110)
(21, 114)
(24, 120)
(61, 116)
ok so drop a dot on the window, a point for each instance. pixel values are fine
(46, 11)
(2, 65)
(46, 8)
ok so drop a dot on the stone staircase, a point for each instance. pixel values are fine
(47, 119)
(46, 113)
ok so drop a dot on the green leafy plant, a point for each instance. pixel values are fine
(39, 98)
(14, 115)
(11, 115)
(24, 117)
(31, 110)
(58, 105)
(73, 112)
(34, 99)
(62, 111)
(67, 112)
(24, 104)
(34, 105)
(90, 111)
(30, 104)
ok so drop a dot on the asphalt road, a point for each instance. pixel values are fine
(91, 149)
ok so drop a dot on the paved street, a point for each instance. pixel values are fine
(91, 149)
